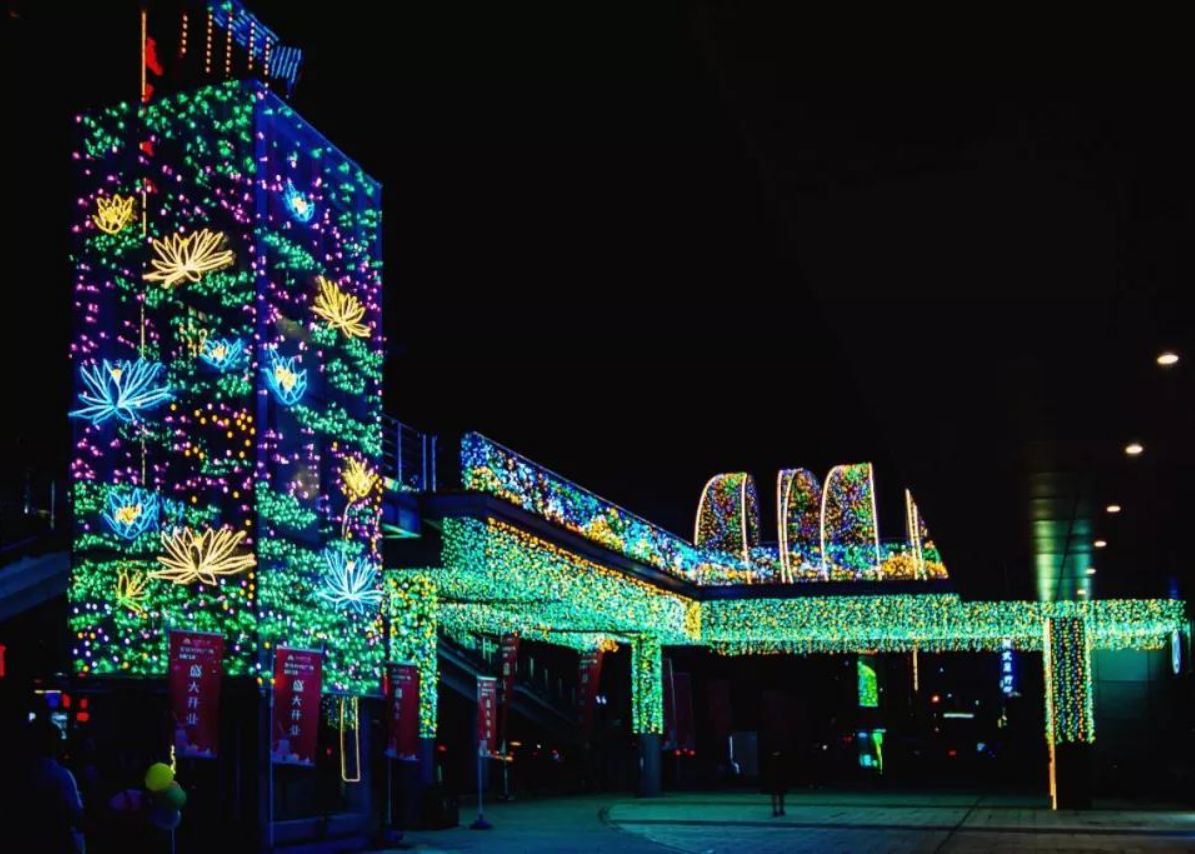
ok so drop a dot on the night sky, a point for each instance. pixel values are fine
(642, 248)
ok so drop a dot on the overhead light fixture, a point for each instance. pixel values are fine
(1134, 449)
(1082, 592)
(1100, 544)
(1091, 570)
(1167, 358)
(1113, 508)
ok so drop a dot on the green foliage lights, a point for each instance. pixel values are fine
(499, 578)
(185, 250)
(1066, 654)
(869, 691)
(647, 686)
(929, 622)
(413, 611)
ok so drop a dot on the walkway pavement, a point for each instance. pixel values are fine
(819, 821)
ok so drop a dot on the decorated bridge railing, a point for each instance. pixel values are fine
(847, 549)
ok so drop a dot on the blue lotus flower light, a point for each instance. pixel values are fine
(131, 511)
(122, 389)
(222, 354)
(350, 582)
(284, 379)
(301, 208)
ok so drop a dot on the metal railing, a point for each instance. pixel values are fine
(408, 457)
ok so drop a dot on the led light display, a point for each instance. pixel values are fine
(926, 622)
(823, 535)
(131, 511)
(188, 258)
(728, 515)
(123, 389)
(113, 215)
(1066, 653)
(219, 407)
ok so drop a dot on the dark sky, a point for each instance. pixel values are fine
(645, 247)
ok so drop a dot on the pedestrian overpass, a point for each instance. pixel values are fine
(513, 547)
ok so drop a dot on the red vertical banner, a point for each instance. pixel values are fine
(510, 661)
(682, 698)
(402, 703)
(487, 713)
(195, 668)
(590, 679)
(669, 707)
(297, 675)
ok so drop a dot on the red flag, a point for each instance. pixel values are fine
(196, 665)
(297, 675)
(402, 685)
(590, 678)
(487, 708)
(510, 660)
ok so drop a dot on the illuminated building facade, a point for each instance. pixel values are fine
(228, 360)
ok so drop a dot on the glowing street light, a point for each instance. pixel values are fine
(1091, 570)
(1167, 358)
(1134, 449)
(1113, 508)
(1100, 544)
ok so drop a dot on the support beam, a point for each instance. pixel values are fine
(649, 765)
(1070, 719)
(647, 686)
(647, 709)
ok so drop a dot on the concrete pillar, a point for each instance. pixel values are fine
(649, 765)
(1070, 712)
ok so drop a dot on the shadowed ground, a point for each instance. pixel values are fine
(821, 821)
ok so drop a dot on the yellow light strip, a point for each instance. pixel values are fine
(743, 525)
(875, 519)
(782, 491)
(700, 506)
(822, 519)
(144, 13)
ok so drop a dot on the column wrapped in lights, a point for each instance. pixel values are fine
(1066, 654)
(647, 685)
(413, 606)
(227, 355)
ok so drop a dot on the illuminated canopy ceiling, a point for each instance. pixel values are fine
(497, 577)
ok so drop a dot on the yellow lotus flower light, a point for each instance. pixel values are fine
(113, 215)
(192, 557)
(189, 258)
(130, 590)
(342, 311)
(357, 479)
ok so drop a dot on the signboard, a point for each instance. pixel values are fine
(297, 675)
(402, 719)
(195, 669)
(487, 709)
(590, 678)
(510, 660)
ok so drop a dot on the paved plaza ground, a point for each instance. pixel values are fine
(823, 821)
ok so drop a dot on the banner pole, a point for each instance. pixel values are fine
(481, 823)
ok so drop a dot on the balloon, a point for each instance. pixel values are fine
(172, 797)
(158, 777)
(165, 818)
